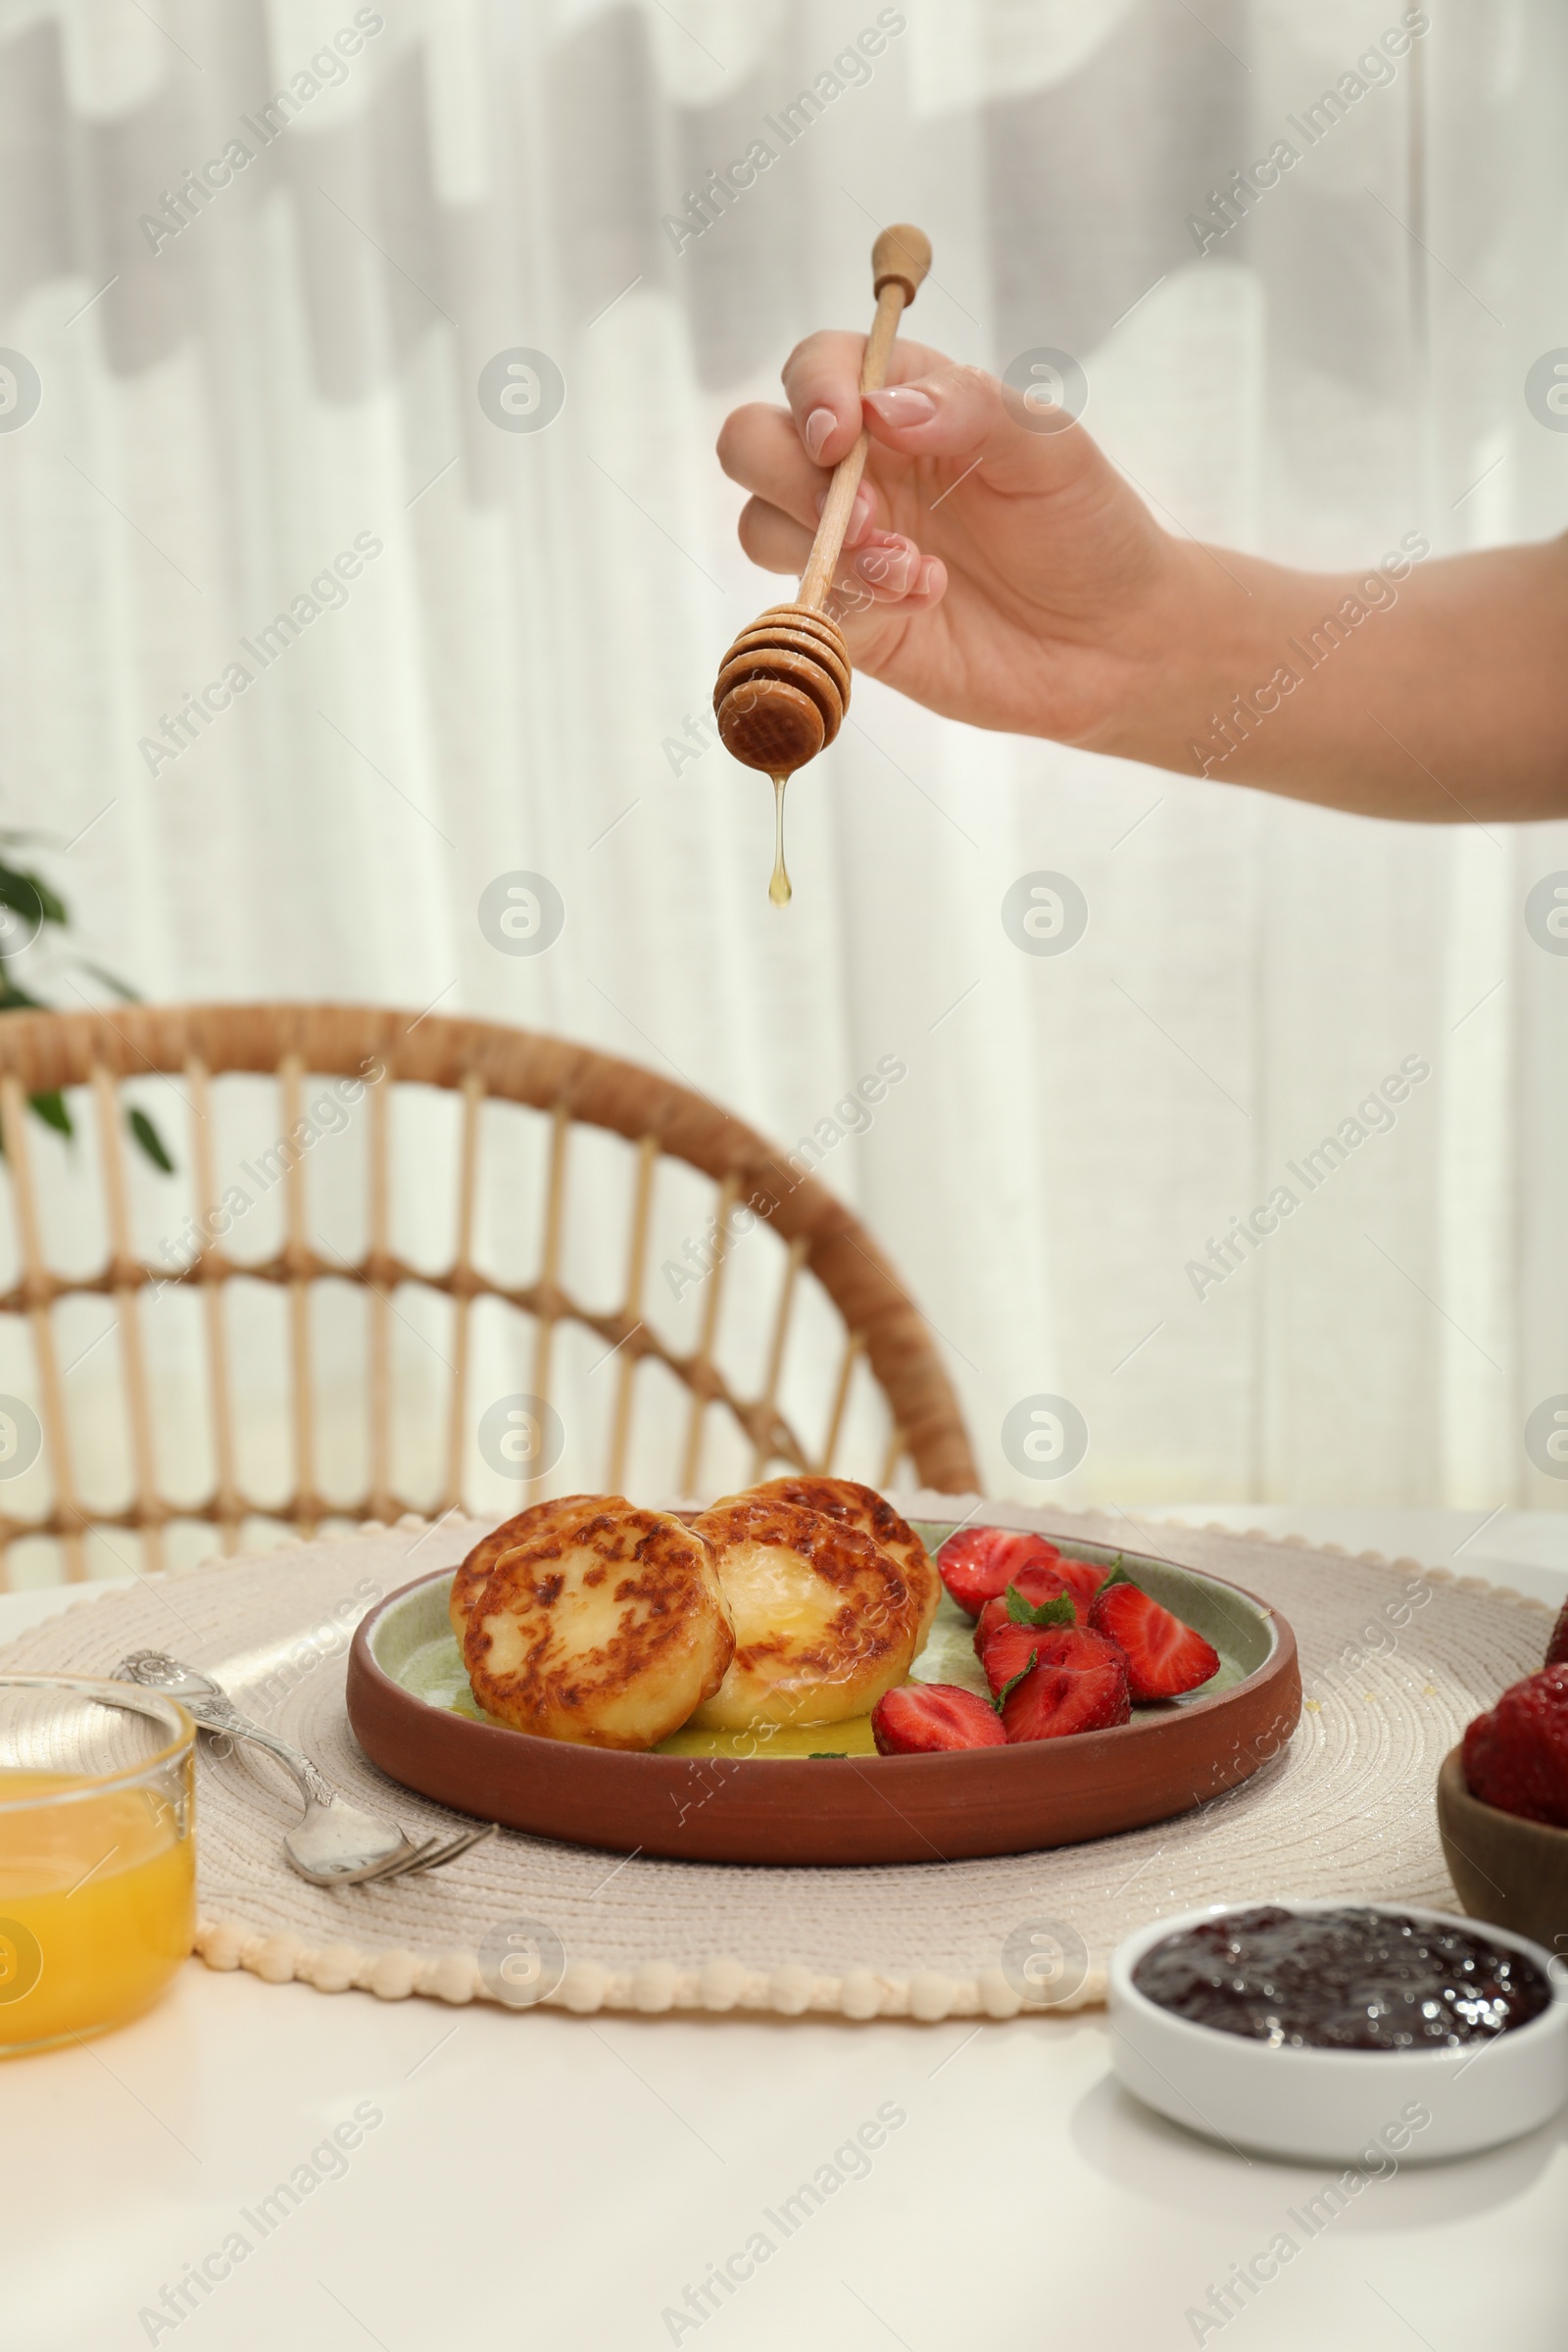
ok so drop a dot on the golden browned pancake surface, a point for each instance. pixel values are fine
(854, 1506)
(825, 1620)
(609, 1627)
(541, 1519)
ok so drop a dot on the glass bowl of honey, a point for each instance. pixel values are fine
(97, 1855)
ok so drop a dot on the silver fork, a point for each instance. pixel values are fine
(336, 1844)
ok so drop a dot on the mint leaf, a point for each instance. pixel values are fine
(1008, 1689)
(827, 1756)
(1118, 1576)
(1058, 1610)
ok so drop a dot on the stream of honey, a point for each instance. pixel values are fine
(778, 890)
(97, 1905)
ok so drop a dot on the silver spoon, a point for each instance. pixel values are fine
(336, 1844)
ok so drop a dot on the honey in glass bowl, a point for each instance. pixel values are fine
(97, 1855)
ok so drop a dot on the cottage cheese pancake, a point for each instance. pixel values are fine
(526, 1528)
(862, 1507)
(608, 1630)
(825, 1621)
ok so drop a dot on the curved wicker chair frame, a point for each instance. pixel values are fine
(570, 1085)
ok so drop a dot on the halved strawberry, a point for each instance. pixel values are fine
(1012, 1649)
(1015, 1633)
(979, 1562)
(1165, 1656)
(1083, 1579)
(1079, 1648)
(1040, 1599)
(1008, 1651)
(926, 1719)
(1052, 1702)
(1038, 1581)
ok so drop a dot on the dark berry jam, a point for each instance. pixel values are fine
(1350, 1979)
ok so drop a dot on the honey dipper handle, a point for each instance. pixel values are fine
(900, 259)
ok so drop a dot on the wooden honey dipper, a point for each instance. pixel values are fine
(784, 685)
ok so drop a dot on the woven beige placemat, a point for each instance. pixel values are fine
(1395, 1660)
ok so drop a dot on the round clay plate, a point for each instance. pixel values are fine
(824, 1796)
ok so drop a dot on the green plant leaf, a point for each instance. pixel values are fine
(51, 1109)
(28, 897)
(1117, 1576)
(151, 1142)
(827, 1756)
(1008, 1689)
(1058, 1610)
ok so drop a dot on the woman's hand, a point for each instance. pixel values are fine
(997, 568)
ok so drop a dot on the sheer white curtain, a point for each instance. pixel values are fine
(287, 375)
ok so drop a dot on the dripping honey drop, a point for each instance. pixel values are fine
(779, 888)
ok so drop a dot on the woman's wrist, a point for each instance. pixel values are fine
(1200, 640)
(1257, 674)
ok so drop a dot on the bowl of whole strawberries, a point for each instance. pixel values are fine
(1502, 1805)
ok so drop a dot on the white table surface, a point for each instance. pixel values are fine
(543, 2180)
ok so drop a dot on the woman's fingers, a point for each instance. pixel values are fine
(869, 592)
(863, 516)
(933, 409)
(889, 564)
(776, 541)
(821, 380)
(886, 569)
(780, 543)
(759, 448)
(929, 408)
(896, 572)
(966, 416)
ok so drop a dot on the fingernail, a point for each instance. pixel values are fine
(902, 405)
(818, 425)
(893, 566)
(860, 516)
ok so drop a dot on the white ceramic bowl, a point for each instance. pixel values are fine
(1354, 2107)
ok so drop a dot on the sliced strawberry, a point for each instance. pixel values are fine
(1078, 1647)
(1012, 1649)
(1039, 1581)
(1009, 1650)
(1165, 1656)
(1009, 1640)
(979, 1562)
(992, 1615)
(1083, 1579)
(926, 1719)
(1040, 1599)
(1053, 1701)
